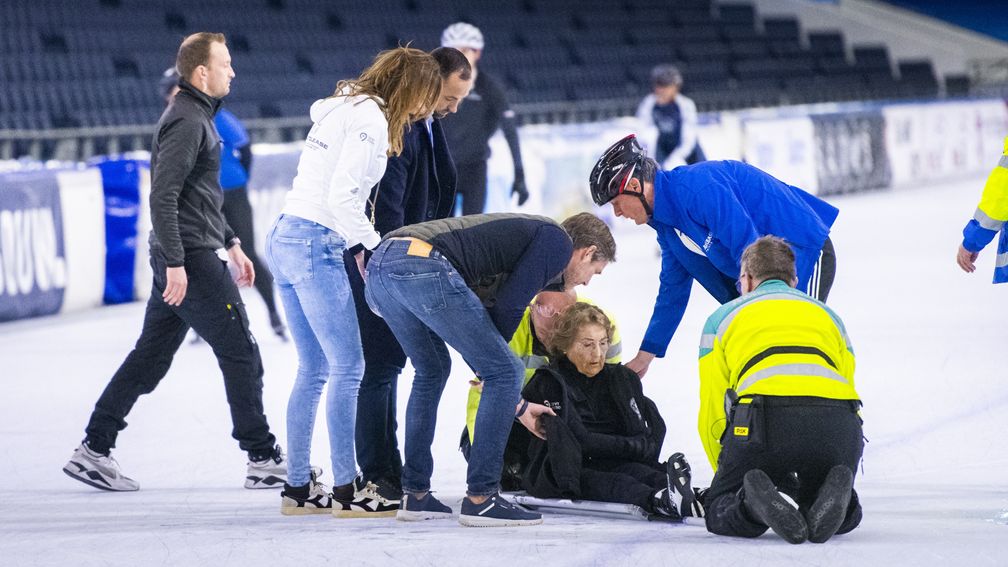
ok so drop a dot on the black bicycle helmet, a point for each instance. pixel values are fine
(614, 169)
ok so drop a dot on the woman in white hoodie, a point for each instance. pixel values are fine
(344, 156)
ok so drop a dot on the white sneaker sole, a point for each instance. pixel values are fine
(409, 516)
(481, 522)
(82, 477)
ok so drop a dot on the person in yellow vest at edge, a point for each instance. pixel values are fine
(777, 399)
(989, 220)
(531, 342)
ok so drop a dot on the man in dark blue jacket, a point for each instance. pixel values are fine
(418, 186)
(705, 216)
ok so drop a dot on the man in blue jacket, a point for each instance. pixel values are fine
(418, 186)
(705, 216)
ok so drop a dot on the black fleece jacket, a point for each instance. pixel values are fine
(186, 195)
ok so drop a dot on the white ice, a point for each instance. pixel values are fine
(931, 370)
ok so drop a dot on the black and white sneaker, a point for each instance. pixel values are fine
(312, 498)
(678, 477)
(362, 507)
(413, 509)
(98, 470)
(383, 490)
(268, 472)
(766, 505)
(496, 512)
(829, 510)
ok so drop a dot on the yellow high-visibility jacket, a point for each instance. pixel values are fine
(990, 218)
(521, 345)
(775, 341)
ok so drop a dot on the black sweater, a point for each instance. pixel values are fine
(186, 195)
(505, 258)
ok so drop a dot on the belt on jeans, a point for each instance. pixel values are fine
(417, 247)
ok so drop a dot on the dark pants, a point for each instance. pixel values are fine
(802, 435)
(823, 273)
(213, 307)
(238, 212)
(472, 186)
(626, 482)
(375, 438)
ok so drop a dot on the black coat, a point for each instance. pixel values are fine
(555, 465)
(419, 184)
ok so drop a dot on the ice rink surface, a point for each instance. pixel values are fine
(930, 343)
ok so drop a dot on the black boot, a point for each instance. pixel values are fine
(830, 507)
(678, 477)
(766, 505)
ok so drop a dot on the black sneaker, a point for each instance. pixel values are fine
(312, 498)
(766, 505)
(678, 476)
(385, 490)
(413, 509)
(830, 507)
(496, 512)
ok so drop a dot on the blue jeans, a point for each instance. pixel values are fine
(307, 263)
(426, 303)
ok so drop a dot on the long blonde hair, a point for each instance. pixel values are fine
(405, 79)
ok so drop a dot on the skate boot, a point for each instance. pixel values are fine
(766, 505)
(267, 471)
(98, 470)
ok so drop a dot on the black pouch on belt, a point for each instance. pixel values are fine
(747, 421)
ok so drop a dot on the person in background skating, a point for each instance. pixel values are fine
(192, 285)
(418, 185)
(604, 442)
(705, 215)
(777, 399)
(989, 219)
(675, 116)
(485, 110)
(532, 343)
(465, 282)
(236, 165)
(345, 154)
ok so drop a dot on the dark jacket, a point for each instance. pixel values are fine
(555, 465)
(480, 115)
(505, 258)
(186, 195)
(419, 183)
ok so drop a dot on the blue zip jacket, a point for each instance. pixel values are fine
(705, 216)
(233, 138)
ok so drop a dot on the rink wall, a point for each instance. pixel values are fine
(75, 238)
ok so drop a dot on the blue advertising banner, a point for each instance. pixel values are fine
(121, 183)
(33, 270)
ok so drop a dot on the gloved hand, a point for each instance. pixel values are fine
(639, 447)
(519, 189)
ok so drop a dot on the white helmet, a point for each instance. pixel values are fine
(461, 35)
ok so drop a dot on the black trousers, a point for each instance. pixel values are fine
(213, 307)
(472, 186)
(375, 440)
(823, 273)
(801, 435)
(238, 212)
(626, 482)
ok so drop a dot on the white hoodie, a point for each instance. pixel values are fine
(344, 156)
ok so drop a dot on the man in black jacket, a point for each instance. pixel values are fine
(418, 186)
(465, 282)
(486, 109)
(192, 284)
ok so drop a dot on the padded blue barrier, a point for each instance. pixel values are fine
(121, 183)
